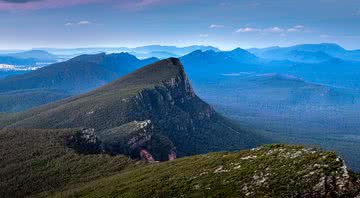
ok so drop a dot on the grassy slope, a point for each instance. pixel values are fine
(122, 88)
(75, 76)
(33, 161)
(36, 163)
(16, 101)
(272, 171)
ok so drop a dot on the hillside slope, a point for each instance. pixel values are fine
(160, 94)
(75, 76)
(268, 171)
(40, 163)
(34, 161)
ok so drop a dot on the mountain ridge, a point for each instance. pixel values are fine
(159, 92)
(75, 76)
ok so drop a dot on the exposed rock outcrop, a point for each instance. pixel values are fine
(84, 141)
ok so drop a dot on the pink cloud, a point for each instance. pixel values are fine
(43, 4)
(48, 4)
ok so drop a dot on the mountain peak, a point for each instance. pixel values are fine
(91, 58)
(157, 72)
(238, 50)
(167, 72)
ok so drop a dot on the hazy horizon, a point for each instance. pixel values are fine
(166, 45)
(226, 24)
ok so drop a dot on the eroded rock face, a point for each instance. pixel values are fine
(84, 141)
(141, 135)
(172, 155)
(146, 156)
(176, 112)
(136, 139)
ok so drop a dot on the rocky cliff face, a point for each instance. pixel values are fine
(84, 141)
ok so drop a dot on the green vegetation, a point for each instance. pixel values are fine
(15, 101)
(37, 163)
(60, 80)
(34, 161)
(269, 171)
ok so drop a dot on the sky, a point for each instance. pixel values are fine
(227, 24)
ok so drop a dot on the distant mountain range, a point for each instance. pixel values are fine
(74, 76)
(217, 62)
(149, 51)
(23, 62)
(321, 67)
(37, 55)
(273, 92)
(168, 51)
(78, 74)
(307, 52)
(86, 72)
(27, 58)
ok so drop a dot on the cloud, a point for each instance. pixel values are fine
(78, 23)
(296, 28)
(43, 4)
(49, 4)
(248, 29)
(274, 30)
(203, 35)
(84, 23)
(216, 26)
(146, 2)
(135, 5)
(19, 1)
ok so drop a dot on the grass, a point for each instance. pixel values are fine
(271, 171)
(34, 161)
(16, 101)
(110, 95)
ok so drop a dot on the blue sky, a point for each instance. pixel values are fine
(223, 23)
